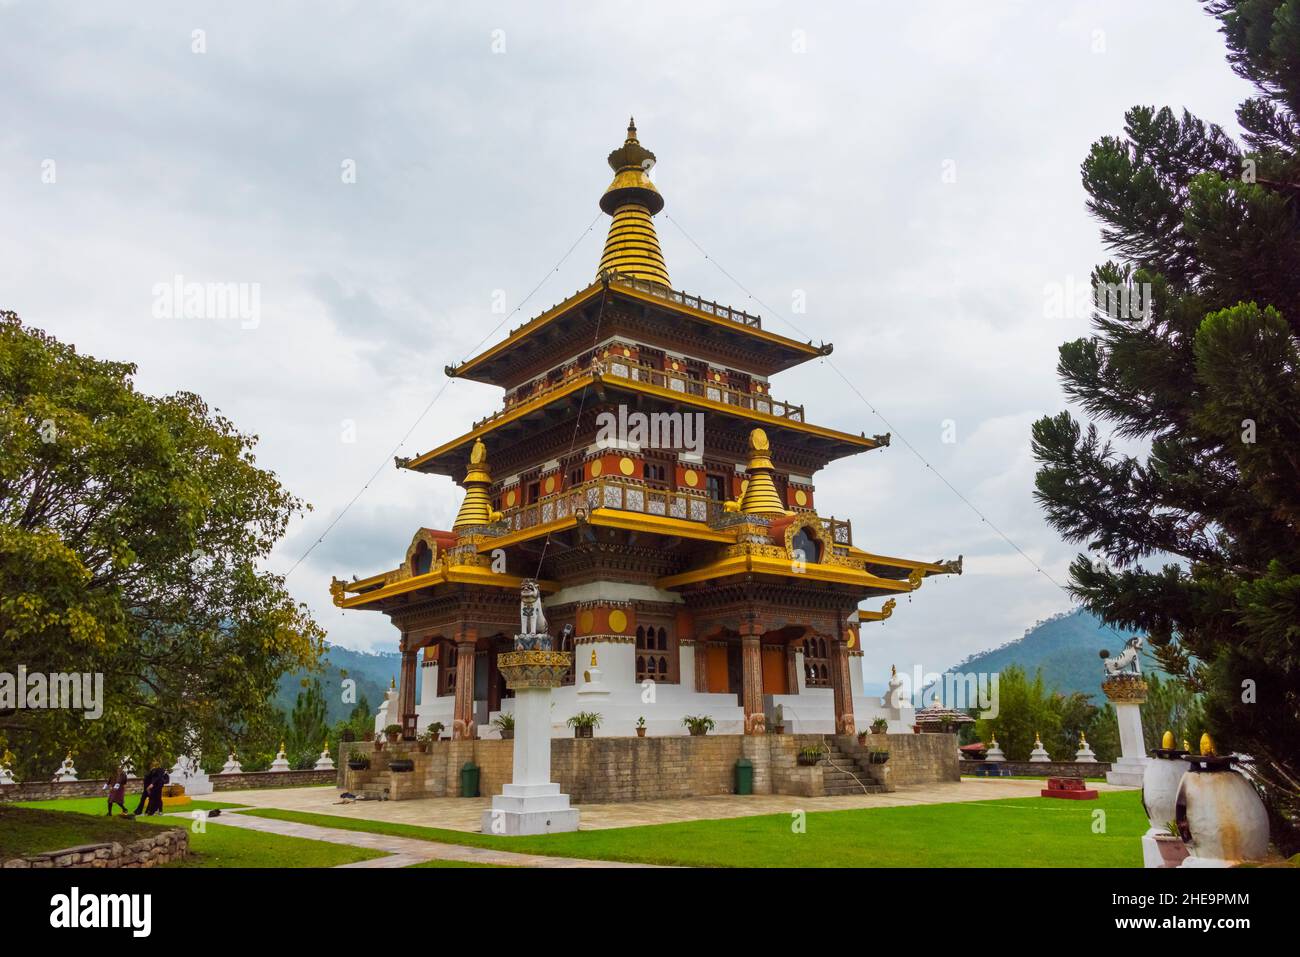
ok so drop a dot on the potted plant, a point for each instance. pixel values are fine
(698, 725)
(810, 755)
(1170, 845)
(879, 726)
(862, 738)
(778, 720)
(435, 730)
(393, 731)
(584, 724)
(640, 727)
(877, 755)
(357, 761)
(505, 723)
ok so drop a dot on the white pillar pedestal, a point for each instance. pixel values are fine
(1132, 764)
(531, 803)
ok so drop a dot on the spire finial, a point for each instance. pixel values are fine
(632, 199)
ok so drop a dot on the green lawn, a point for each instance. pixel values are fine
(219, 846)
(26, 830)
(1017, 832)
(97, 805)
(437, 863)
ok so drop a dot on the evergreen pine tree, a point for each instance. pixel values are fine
(1194, 362)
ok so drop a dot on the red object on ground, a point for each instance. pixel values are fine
(1072, 789)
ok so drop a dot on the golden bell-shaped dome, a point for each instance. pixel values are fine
(476, 509)
(632, 247)
(760, 496)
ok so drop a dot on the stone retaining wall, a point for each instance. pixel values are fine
(50, 790)
(168, 845)
(599, 770)
(1050, 769)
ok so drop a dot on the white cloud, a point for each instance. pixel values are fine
(817, 171)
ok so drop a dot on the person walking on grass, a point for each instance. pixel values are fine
(152, 793)
(117, 791)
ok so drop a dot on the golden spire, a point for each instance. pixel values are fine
(760, 497)
(631, 199)
(1167, 742)
(477, 508)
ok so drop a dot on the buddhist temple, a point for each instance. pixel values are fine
(641, 470)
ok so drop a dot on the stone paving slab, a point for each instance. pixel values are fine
(465, 814)
(404, 851)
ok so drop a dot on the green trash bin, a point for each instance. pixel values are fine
(744, 776)
(469, 780)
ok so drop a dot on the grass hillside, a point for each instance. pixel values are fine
(1064, 646)
(371, 671)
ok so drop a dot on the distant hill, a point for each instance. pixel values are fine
(1065, 646)
(371, 671)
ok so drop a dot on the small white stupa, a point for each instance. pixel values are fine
(995, 752)
(1039, 755)
(6, 768)
(67, 770)
(188, 773)
(1084, 754)
(232, 765)
(592, 682)
(281, 763)
(325, 762)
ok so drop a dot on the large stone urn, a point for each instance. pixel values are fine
(1160, 779)
(1220, 815)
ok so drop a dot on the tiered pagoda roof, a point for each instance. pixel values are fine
(630, 340)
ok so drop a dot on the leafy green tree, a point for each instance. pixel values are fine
(1171, 706)
(1196, 361)
(1025, 709)
(131, 533)
(1103, 734)
(307, 724)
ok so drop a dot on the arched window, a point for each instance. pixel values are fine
(422, 560)
(816, 666)
(803, 544)
(655, 667)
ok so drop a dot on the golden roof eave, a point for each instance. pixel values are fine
(468, 368)
(452, 575)
(861, 443)
(757, 564)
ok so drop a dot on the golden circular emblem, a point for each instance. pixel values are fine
(800, 496)
(744, 484)
(717, 377)
(759, 388)
(596, 468)
(585, 621)
(675, 365)
(691, 478)
(510, 498)
(758, 441)
(627, 353)
(617, 621)
(550, 485)
(626, 465)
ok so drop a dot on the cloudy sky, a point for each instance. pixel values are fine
(910, 171)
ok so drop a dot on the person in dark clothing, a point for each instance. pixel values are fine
(151, 795)
(156, 796)
(117, 790)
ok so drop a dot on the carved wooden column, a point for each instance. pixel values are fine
(751, 676)
(842, 685)
(406, 690)
(701, 666)
(463, 717)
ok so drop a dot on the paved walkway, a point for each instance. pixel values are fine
(466, 814)
(404, 851)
